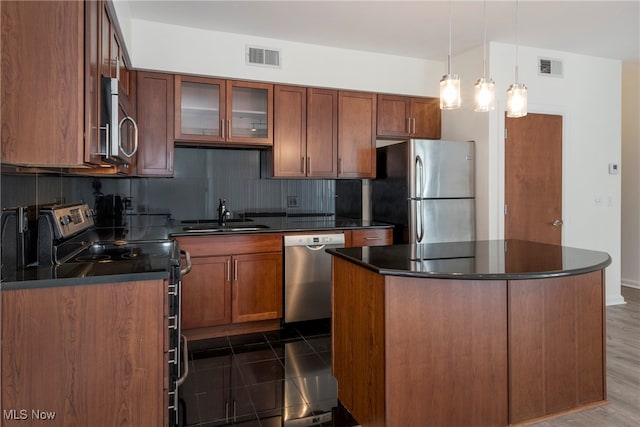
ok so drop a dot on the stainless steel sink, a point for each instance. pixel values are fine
(223, 228)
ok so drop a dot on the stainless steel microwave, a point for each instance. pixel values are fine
(118, 130)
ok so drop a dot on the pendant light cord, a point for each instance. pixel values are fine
(484, 52)
(517, 43)
(449, 56)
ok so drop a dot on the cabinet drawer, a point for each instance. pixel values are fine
(370, 237)
(231, 245)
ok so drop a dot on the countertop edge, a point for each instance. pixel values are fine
(82, 281)
(475, 276)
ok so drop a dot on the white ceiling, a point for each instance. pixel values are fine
(609, 29)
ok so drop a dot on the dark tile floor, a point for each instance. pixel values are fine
(276, 379)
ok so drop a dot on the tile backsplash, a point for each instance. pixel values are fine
(201, 177)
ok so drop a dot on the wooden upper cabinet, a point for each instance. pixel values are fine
(305, 132)
(356, 135)
(224, 112)
(290, 131)
(155, 124)
(408, 117)
(42, 92)
(199, 109)
(322, 133)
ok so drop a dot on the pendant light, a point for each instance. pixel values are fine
(484, 90)
(517, 92)
(449, 83)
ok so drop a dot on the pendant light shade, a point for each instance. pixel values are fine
(484, 95)
(517, 92)
(450, 92)
(484, 89)
(517, 100)
(449, 83)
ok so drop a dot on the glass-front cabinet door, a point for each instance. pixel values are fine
(223, 111)
(200, 109)
(250, 107)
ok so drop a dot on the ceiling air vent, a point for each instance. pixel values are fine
(549, 67)
(263, 57)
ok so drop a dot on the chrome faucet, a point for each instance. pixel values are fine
(223, 212)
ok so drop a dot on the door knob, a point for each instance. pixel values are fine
(557, 223)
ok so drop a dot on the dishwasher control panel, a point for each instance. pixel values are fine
(314, 239)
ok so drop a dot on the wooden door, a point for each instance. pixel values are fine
(290, 131)
(42, 91)
(393, 116)
(426, 118)
(249, 113)
(533, 178)
(356, 135)
(322, 133)
(200, 114)
(257, 287)
(206, 293)
(155, 124)
(93, 88)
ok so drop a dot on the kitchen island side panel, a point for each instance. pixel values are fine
(446, 352)
(556, 344)
(359, 341)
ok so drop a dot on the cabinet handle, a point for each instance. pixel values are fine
(222, 126)
(373, 238)
(228, 270)
(309, 165)
(414, 124)
(235, 270)
(408, 125)
(229, 128)
(339, 166)
(302, 165)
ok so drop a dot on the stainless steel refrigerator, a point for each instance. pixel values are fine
(426, 189)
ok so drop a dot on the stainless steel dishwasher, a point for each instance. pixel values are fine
(307, 276)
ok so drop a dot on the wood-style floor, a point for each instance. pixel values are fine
(623, 372)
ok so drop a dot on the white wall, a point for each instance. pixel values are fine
(185, 50)
(588, 97)
(630, 174)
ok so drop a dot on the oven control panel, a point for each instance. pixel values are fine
(68, 220)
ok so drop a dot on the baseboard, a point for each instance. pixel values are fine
(615, 300)
(630, 283)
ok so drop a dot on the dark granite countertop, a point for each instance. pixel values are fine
(477, 260)
(157, 227)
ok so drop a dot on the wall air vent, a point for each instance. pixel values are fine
(549, 67)
(262, 57)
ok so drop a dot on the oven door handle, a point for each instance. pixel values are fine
(185, 361)
(187, 258)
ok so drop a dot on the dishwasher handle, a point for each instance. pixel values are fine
(315, 247)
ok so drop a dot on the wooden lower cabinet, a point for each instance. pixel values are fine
(206, 292)
(368, 237)
(85, 355)
(235, 284)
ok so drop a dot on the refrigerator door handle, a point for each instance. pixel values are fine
(419, 221)
(419, 178)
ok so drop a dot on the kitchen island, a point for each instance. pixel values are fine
(486, 333)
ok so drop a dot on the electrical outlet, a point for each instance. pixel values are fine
(292, 201)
